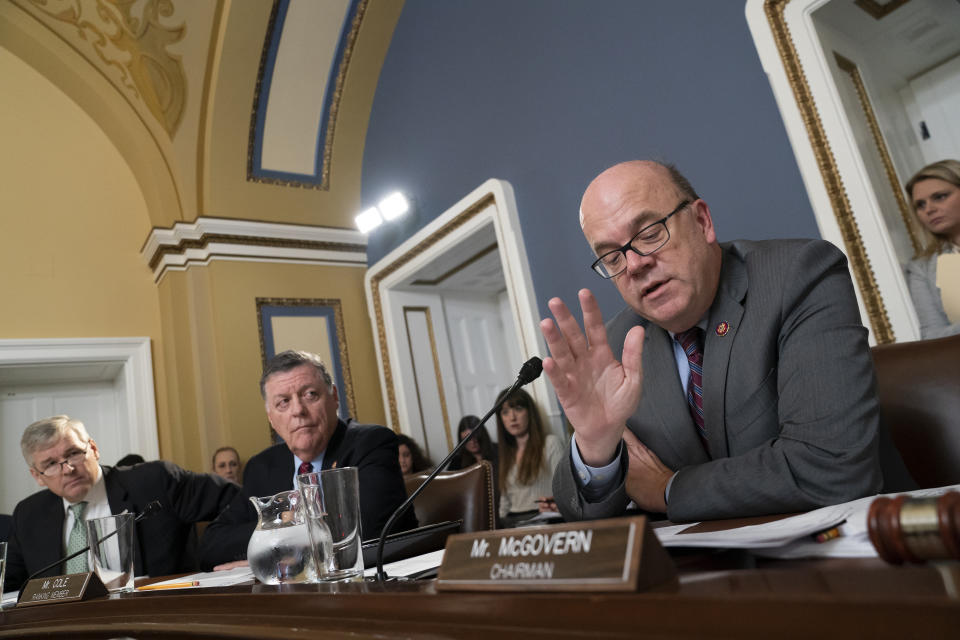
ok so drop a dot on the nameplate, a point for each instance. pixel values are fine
(620, 554)
(69, 588)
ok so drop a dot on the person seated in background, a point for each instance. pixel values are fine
(411, 457)
(50, 524)
(226, 464)
(758, 391)
(301, 403)
(130, 459)
(528, 456)
(479, 447)
(935, 197)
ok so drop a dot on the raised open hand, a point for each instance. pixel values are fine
(597, 393)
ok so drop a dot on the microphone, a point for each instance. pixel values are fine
(149, 510)
(529, 372)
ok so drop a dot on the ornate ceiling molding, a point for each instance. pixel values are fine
(196, 243)
(128, 42)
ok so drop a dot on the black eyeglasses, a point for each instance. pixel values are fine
(649, 239)
(75, 459)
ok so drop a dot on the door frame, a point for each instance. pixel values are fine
(133, 354)
(834, 173)
(492, 203)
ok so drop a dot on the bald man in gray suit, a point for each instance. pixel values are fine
(737, 382)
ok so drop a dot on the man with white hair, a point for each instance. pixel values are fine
(50, 524)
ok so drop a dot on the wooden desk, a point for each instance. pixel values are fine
(716, 597)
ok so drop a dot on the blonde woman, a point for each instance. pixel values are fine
(935, 197)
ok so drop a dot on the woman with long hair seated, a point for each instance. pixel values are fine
(528, 456)
(935, 196)
(412, 458)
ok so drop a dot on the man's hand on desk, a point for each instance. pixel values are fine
(597, 393)
(226, 566)
(647, 477)
(547, 505)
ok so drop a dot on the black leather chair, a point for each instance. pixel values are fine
(465, 495)
(918, 384)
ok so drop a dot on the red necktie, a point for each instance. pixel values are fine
(305, 467)
(690, 341)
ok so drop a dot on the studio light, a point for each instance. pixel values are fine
(394, 206)
(368, 220)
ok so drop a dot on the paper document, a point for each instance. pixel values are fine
(770, 534)
(237, 575)
(410, 566)
(792, 537)
(948, 277)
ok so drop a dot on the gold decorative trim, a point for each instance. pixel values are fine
(205, 239)
(436, 371)
(859, 261)
(460, 267)
(880, 10)
(124, 96)
(205, 99)
(136, 47)
(909, 220)
(402, 260)
(333, 303)
(324, 184)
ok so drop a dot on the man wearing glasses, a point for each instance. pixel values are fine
(63, 458)
(738, 380)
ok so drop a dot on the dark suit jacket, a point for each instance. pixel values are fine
(160, 540)
(789, 398)
(370, 448)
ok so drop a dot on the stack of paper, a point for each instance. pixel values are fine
(237, 575)
(794, 537)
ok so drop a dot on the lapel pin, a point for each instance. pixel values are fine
(723, 328)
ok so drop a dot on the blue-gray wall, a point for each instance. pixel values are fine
(547, 93)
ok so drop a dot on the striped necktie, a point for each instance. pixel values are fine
(690, 340)
(77, 539)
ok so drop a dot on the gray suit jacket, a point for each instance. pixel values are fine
(790, 406)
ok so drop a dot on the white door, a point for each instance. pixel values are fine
(937, 96)
(98, 405)
(428, 405)
(485, 351)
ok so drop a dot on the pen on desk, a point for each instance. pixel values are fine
(828, 534)
(171, 585)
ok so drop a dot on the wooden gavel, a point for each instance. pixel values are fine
(905, 529)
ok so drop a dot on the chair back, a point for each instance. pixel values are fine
(465, 495)
(6, 524)
(918, 384)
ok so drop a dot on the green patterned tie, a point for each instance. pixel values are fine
(77, 540)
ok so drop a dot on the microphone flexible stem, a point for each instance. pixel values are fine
(406, 503)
